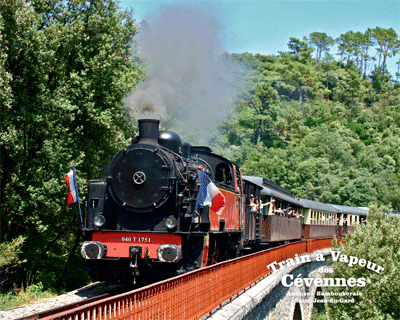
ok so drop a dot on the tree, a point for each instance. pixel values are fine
(321, 41)
(356, 45)
(366, 43)
(69, 66)
(264, 103)
(5, 77)
(388, 43)
(9, 257)
(300, 48)
(345, 46)
(379, 76)
(300, 78)
(377, 242)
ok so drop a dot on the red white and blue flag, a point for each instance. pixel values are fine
(209, 195)
(72, 196)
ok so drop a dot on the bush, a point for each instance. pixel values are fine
(9, 258)
(16, 298)
(378, 242)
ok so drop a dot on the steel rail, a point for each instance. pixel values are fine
(58, 310)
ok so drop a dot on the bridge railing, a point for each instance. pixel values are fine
(195, 294)
(318, 244)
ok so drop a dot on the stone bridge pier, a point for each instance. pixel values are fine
(269, 299)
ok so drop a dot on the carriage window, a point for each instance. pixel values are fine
(238, 179)
(223, 173)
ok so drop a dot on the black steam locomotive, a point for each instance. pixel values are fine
(146, 216)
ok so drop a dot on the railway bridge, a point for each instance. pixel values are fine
(202, 293)
(270, 299)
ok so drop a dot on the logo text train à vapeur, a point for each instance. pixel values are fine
(288, 279)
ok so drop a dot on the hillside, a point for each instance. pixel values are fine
(320, 128)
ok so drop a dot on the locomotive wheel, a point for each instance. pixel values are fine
(192, 252)
(222, 248)
(213, 253)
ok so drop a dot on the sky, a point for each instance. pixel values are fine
(264, 27)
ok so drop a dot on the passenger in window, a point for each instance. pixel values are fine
(262, 205)
(279, 212)
(253, 205)
(286, 211)
(298, 215)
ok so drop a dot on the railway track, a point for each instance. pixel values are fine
(53, 312)
(49, 308)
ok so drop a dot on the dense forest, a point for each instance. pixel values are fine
(65, 67)
(323, 128)
(326, 128)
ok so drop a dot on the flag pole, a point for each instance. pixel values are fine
(77, 194)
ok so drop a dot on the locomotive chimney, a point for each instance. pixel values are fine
(148, 131)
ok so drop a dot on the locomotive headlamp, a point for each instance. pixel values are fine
(171, 222)
(99, 220)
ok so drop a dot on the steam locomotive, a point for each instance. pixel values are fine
(145, 215)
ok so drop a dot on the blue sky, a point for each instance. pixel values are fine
(265, 27)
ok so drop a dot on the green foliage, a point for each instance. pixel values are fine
(319, 129)
(299, 48)
(9, 252)
(388, 43)
(377, 241)
(316, 315)
(16, 298)
(66, 67)
(321, 41)
(355, 46)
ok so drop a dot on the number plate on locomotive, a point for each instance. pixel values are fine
(119, 242)
(136, 239)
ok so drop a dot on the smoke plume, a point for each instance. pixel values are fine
(187, 83)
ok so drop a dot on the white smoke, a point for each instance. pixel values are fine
(186, 81)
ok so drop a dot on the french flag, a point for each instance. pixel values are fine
(209, 195)
(72, 196)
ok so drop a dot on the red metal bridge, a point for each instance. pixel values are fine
(195, 294)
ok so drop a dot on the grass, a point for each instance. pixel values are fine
(319, 315)
(19, 297)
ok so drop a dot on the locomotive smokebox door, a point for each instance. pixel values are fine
(141, 175)
(140, 179)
